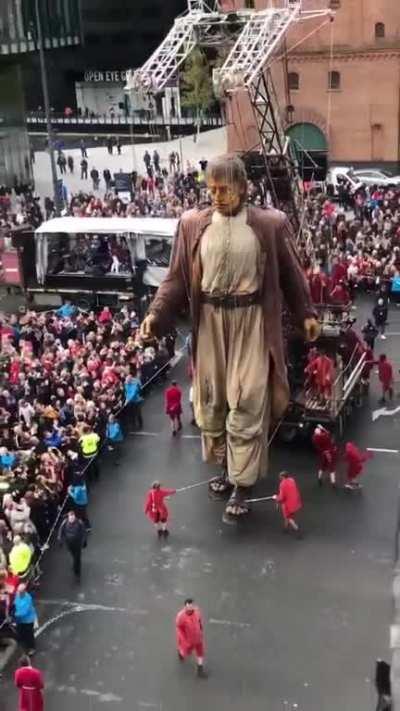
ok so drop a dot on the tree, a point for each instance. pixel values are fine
(196, 83)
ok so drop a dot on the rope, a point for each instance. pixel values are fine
(329, 107)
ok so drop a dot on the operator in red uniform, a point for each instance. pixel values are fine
(355, 460)
(340, 295)
(173, 406)
(290, 500)
(385, 372)
(29, 681)
(190, 635)
(155, 508)
(324, 374)
(326, 447)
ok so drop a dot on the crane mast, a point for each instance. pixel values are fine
(253, 39)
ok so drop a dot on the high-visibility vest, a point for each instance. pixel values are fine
(90, 444)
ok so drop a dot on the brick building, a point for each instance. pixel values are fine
(342, 89)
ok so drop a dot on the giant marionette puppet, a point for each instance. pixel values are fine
(234, 265)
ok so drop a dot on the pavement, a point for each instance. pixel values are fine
(209, 143)
(289, 624)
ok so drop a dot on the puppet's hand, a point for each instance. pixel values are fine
(312, 329)
(147, 329)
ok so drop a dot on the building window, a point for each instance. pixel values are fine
(293, 81)
(249, 4)
(333, 80)
(379, 30)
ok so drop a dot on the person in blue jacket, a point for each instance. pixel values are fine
(66, 310)
(79, 498)
(133, 400)
(25, 616)
(395, 289)
(113, 432)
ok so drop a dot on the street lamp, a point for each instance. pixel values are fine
(290, 113)
(45, 89)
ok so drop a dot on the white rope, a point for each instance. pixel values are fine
(193, 486)
(329, 108)
(262, 498)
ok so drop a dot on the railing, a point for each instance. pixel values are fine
(39, 119)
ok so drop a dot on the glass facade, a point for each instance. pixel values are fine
(15, 165)
(60, 20)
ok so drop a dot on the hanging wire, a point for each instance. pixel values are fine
(329, 107)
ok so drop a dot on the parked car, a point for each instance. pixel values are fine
(345, 173)
(374, 176)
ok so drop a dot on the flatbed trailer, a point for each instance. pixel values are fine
(307, 408)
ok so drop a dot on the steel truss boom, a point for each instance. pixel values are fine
(254, 38)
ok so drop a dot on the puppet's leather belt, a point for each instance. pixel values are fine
(231, 301)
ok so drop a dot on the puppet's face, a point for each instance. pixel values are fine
(227, 198)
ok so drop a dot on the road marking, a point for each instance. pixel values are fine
(381, 449)
(190, 436)
(144, 434)
(229, 623)
(384, 412)
(392, 333)
(80, 607)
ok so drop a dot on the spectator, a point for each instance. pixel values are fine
(25, 617)
(84, 169)
(72, 532)
(95, 176)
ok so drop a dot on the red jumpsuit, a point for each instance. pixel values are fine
(355, 460)
(326, 448)
(173, 401)
(385, 371)
(339, 295)
(339, 272)
(189, 633)
(29, 681)
(324, 375)
(154, 507)
(289, 497)
(318, 284)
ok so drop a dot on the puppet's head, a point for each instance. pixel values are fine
(227, 184)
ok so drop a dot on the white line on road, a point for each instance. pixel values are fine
(384, 412)
(229, 623)
(190, 437)
(144, 434)
(80, 607)
(381, 449)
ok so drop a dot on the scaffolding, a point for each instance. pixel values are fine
(253, 39)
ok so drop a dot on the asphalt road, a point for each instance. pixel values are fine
(289, 624)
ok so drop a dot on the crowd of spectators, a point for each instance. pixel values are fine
(67, 379)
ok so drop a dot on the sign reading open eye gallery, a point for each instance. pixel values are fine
(112, 76)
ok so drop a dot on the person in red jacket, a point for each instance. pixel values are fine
(155, 508)
(327, 450)
(29, 681)
(355, 460)
(290, 500)
(339, 295)
(385, 372)
(190, 635)
(324, 375)
(173, 406)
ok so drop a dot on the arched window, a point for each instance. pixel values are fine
(379, 30)
(333, 80)
(293, 80)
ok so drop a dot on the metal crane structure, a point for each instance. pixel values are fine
(252, 39)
